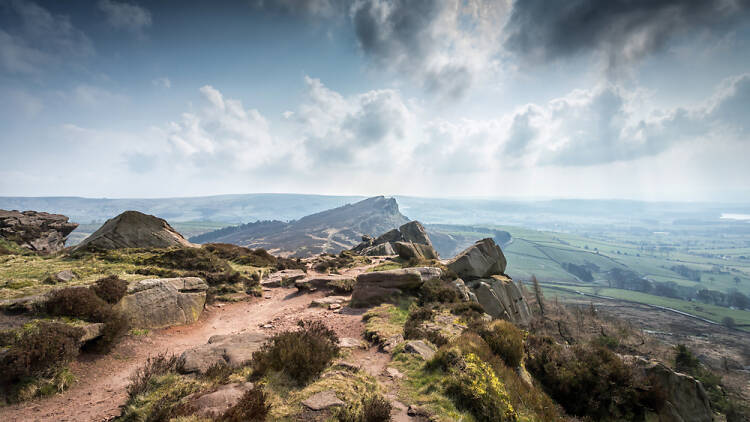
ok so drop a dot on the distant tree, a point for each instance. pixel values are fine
(728, 322)
(738, 300)
(538, 294)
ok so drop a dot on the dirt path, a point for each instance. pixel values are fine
(100, 389)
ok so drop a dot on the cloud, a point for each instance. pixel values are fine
(40, 40)
(163, 82)
(621, 31)
(317, 8)
(368, 129)
(443, 45)
(126, 16)
(223, 135)
(90, 95)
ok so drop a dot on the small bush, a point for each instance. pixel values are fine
(111, 288)
(290, 264)
(436, 290)
(241, 254)
(342, 286)
(159, 272)
(302, 355)
(189, 259)
(39, 351)
(331, 263)
(252, 407)
(412, 327)
(218, 372)
(469, 311)
(372, 408)
(155, 366)
(505, 340)
(83, 303)
(475, 387)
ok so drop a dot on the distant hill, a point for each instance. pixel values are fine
(328, 231)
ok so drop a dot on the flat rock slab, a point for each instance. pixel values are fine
(350, 343)
(232, 350)
(214, 404)
(323, 400)
(421, 348)
(326, 302)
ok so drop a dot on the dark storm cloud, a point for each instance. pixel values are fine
(623, 30)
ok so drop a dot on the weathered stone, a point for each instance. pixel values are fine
(214, 404)
(64, 276)
(463, 292)
(685, 398)
(91, 331)
(38, 231)
(501, 298)
(323, 282)
(411, 250)
(414, 232)
(23, 305)
(366, 295)
(389, 236)
(391, 342)
(421, 348)
(323, 400)
(480, 260)
(133, 229)
(326, 302)
(283, 278)
(393, 373)
(383, 249)
(158, 303)
(406, 278)
(348, 366)
(350, 343)
(233, 350)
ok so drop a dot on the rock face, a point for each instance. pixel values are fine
(685, 398)
(158, 303)
(408, 241)
(481, 270)
(386, 286)
(323, 400)
(38, 231)
(133, 229)
(501, 298)
(482, 259)
(232, 350)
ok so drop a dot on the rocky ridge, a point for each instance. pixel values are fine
(133, 229)
(37, 231)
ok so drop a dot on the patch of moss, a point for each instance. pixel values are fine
(385, 321)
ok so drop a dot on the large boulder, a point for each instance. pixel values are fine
(232, 350)
(685, 399)
(158, 303)
(38, 231)
(501, 298)
(133, 229)
(480, 260)
(408, 241)
(387, 286)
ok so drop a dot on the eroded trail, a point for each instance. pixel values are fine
(100, 389)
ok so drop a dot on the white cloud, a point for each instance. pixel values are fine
(126, 16)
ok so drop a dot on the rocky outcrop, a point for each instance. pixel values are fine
(158, 303)
(387, 286)
(213, 404)
(231, 350)
(408, 241)
(37, 231)
(684, 396)
(133, 229)
(482, 259)
(501, 298)
(282, 278)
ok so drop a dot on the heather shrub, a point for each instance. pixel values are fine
(469, 311)
(159, 272)
(413, 326)
(252, 407)
(241, 254)
(290, 264)
(189, 259)
(329, 263)
(111, 288)
(39, 351)
(155, 366)
(505, 340)
(372, 408)
(437, 291)
(302, 355)
(589, 380)
(83, 303)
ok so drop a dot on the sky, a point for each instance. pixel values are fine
(632, 99)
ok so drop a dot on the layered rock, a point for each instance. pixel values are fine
(37, 231)
(482, 259)
(133, 229)
(408, 241)
(481, 269)
(158, 303)
(387, 286)
(232, 350)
